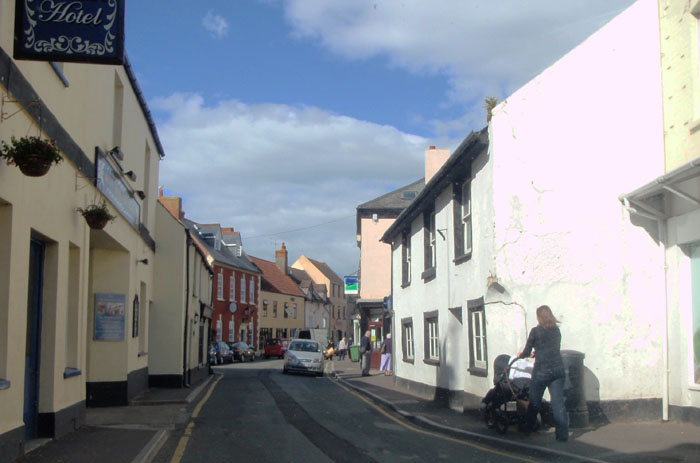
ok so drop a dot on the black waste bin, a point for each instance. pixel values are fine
(574, 394)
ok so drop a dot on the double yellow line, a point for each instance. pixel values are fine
(182, 444)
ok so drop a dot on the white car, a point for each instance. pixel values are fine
(304, 355)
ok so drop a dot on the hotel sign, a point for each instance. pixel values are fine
(90, 31)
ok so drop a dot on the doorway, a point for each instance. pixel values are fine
(33, 344)
(376, 336)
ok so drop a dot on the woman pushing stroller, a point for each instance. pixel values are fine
(548, 372)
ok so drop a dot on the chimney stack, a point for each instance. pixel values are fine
(434, 160)
(281, 259)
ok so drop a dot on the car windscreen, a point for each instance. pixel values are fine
(304, 346)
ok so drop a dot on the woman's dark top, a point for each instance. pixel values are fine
(387, 344)
(547, 344)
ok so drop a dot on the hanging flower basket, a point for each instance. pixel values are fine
(96, 215)
(33, 155)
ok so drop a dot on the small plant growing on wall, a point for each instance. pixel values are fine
(33, 155)
(97, 215)
(490, 103)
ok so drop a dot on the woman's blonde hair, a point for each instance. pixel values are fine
(545, 317)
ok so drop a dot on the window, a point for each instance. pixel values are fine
(220, 286)
(431, 338)
(264, 308)
(230, 331)
(429, 245)
(406, 258)
(286, 311)
(219, 330)
(407, 339)
(462, 207)
(232, 288)
(294, 308)
(478, 365)
(274, 309)
(251, 290)
(243, 296)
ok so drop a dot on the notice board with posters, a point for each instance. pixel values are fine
(88, 31)
(110, 317)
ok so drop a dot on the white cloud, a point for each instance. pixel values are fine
(483, 48)
(215, 24)
(267, 168)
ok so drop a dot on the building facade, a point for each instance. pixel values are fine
(526, 213)
(76, 299)
(667, 206)
(236, 284)
(181, 317)
(282, 311)
(321, 274)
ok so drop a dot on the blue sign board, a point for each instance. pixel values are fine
(90, 31)
(110, 317)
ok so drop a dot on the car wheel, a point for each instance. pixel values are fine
(284, 370)
(265, 357)
(280, 356)
(319, 374)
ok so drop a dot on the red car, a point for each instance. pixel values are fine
(275, 347)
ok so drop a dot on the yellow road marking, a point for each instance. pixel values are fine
(429, 433)
(182, 444)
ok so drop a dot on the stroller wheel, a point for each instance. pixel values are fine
(489, 418)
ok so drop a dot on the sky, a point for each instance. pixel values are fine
(279, 117)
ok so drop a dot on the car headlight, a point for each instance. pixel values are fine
(316, 361)
(291, 358)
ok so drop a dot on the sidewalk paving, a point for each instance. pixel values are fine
(618, 442)
(133, 433)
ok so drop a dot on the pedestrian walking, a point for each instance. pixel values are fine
(548, 372)
(342, 348)
(386, 355)
(366, 351)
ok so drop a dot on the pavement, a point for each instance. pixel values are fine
(136, 433)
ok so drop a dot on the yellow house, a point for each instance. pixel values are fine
(182, 303)
(281, 312)
(74, 301)
(321, 273)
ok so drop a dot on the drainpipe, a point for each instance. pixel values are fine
(188, 243)
(664, 341)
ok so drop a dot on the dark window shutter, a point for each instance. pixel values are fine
(457, 216)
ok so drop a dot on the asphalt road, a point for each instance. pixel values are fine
(254, 413)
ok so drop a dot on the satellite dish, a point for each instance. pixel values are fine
(232, 307)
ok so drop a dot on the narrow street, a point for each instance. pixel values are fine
(255, 413)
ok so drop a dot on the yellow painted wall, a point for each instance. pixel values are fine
(79, 262)
(678, 25)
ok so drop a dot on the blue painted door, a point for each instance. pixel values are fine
(33, 346)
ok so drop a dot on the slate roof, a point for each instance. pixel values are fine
(391, 204)
(470, 148)
(206, 234)
(274, 280)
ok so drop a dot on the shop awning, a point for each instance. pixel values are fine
(673, 194)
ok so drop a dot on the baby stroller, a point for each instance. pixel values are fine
(506, 403)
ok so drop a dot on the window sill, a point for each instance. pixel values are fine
(463, 258)
(142, 354)
(4, 384)
(478, 372)
(407, 360)
(694, 387)
(71, 372)
(428, 275)
(405, 285)
(433, 362)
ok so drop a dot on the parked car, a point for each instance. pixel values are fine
(304, 356)
(220, 353)
(242, 351)
(275, 347)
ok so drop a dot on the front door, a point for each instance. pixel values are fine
(33, 345)
(376, 336)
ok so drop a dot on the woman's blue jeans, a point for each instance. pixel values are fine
(552, 378)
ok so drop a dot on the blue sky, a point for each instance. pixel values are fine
(280, 117)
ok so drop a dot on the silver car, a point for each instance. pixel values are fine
(304, 355)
